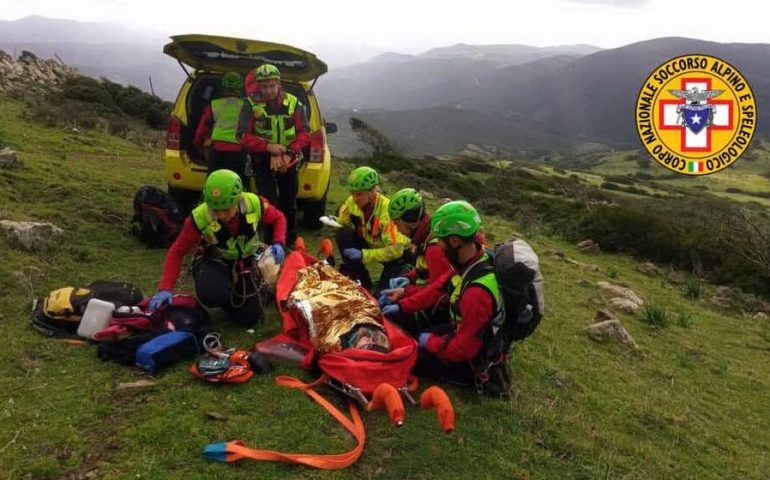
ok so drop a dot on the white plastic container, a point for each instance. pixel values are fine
(268, 268)
(96, 316)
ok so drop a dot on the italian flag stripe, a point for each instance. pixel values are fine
(696, 167)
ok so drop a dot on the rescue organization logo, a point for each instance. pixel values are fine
(696, 114)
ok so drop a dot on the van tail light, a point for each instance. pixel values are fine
(317, 144)
(174, 133)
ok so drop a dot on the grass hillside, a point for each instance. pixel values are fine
(690, 403)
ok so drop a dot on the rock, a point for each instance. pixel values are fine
(597, 300)
(216, 416)
(9, 158)
(650, 269)
(584, 283)
(32, 236)
(677, 277)
(760, 316)
(623, 292)
(427, 194)
(721, 297)
(624, 305)
(603, 315)
(611, 330)
(588, 246)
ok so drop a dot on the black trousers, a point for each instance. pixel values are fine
(356, 270)
(429, 365)
(423, 320)
(235, 161)
(215, 288)
(280, 189)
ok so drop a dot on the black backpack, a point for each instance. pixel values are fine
(157, 218)
(58, 314)
(517, 269)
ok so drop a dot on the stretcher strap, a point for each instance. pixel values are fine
(237, 450)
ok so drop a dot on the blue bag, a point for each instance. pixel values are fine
(165, 350)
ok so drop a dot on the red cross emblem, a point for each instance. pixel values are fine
(669, 112)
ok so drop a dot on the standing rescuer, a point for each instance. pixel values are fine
(368, 235)
(225, 228)
(277, 132)
(220, 128)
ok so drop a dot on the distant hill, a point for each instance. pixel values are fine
(507, 54)
(446, 130)
(122, 55)
(395, 81)
(594, 95)
(579, 97)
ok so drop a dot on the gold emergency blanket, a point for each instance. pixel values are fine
(332, 305)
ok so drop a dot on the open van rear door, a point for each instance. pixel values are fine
(224, 54)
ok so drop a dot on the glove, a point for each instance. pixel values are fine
(330, 221)
(391, 311)
(352, 254)
(423, 340)
(384, 301)
(278, 253)
(399, 282)
(161, 298)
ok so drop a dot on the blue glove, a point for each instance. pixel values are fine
(161, 298)
(384, 300)
(423, 340)
(352, 254)
(278, 253)
(391, 311)
(399, 282)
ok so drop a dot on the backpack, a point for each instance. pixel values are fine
(517, 270)
(185, 314)
(157, 218)
(58, 314)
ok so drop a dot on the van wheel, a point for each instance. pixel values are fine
(186, 199)
(313, 210)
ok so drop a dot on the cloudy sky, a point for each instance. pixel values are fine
(410, 26)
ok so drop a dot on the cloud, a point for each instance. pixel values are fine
(613, 3)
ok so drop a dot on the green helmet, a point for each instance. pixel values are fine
(267, 72)
(232, 81)
(223, 189)
(363, 178)
(455, 218)
(405, 201)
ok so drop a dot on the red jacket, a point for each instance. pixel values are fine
(205, 125)
(189, 239)
(257, 144)
(477, 308)
(438, 263)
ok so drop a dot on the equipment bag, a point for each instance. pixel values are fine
(184, 314)
(58, 314)
(124, 351)
(166, 350)
(517, 270)
(157, 218)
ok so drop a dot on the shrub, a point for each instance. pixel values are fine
(683, 319)
(654, 315)
(693, 289)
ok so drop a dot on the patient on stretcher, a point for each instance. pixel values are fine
(338, 313)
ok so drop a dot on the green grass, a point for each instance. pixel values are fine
(690, 404)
